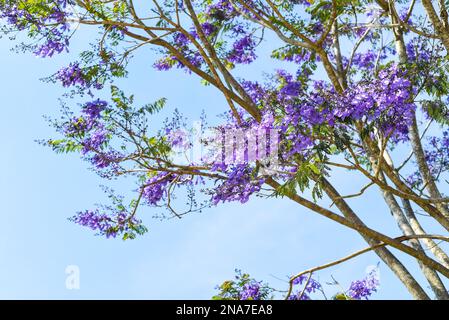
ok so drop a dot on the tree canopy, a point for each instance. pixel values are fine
(369, 81)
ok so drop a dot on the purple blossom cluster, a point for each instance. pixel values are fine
(94, 220)
(71, 76)
(50, 22)
(243, 287)
(243, 50)
(295, 55)
(304, 293)
(367, 60)
(256, 91)
(250, 291)
(218, 14)
(89, 122)
(105, 159)
(422, 51)
(191, 56)
(304, 287)
(221, 10)
(238, 186)
(74, 75)
(55, 44)
(383, 102)
(106, 224)
(77, 126)
(91, 130)
(363, 289)
(95, 140)
(93, 109)
(178, 139)
(156, 188)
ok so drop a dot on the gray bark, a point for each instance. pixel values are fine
(418, 229)
(424, 170)
(384, 254)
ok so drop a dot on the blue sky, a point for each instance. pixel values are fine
(177, 259)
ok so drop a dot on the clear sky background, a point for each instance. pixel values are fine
(177, 259)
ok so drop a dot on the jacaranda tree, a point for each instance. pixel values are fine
(369, 96)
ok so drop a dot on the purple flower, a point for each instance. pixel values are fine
(239, 186)
(94, 220)
(104, 160)
(109, 225)
(155, 188)
(78, 126)
(49, 25)
(243, 50)
(222, 10)
(95, 141)
(164, 64)
(208, 28)
(362, 289)
(251, 291)
(93, 109)
(71, 75)
(303, 293)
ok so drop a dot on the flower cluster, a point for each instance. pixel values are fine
(311, 286)
(222, 10)
(105, 159)
(243, 50)
(383, 103)
(243, 287)
(156, 188)
(50, 21)
(93, 109)
(88, 134)
(95, 140)
(74, 75)
(419, 50)
(363, 289)
(106, 224)
(89, 128)
(71, 75)
(238, 186)
(251, 291)
(239, 41)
